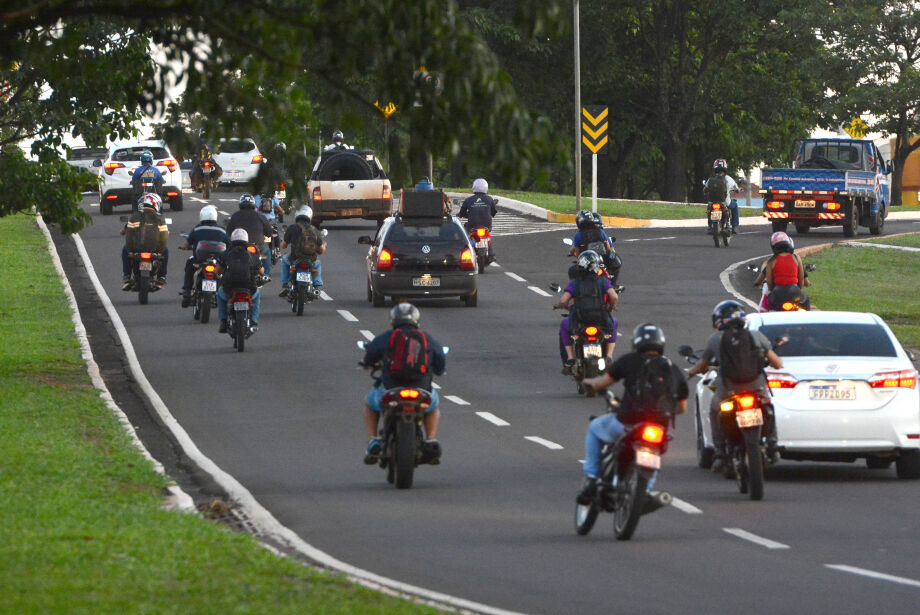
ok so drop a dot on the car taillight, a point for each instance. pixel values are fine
(112, 197)
(172, 194)
(146, 256)
(905, 379)
(257, 159)
(480, 232)
(384, 260)
(387, 193)
(169, 163)
(775, 204)
(317, 194)
(111, 166)
(780, 381)
(653, 434)
(466, 260)
(409, 394)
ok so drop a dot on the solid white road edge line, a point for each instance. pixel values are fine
(457, 400)
(182, 500)
(515, 276)
(368, 335)
(874, 575)
(493, 419)
(550, 445)
(539, 291)
(763, 542)
(347, 315)
(267, 524)
(726, 282)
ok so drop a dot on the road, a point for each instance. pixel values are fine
(493, 522)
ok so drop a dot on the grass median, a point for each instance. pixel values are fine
(83, 530)
(874, 280)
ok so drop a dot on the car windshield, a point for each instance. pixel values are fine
(235, 146)
(409, 231)
(133, 154)
(833, 154)
(830, 340)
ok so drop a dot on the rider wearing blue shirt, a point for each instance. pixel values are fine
(146, 173)
(207, 230)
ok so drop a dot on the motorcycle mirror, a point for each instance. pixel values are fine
(446, 349)
(910, 355)
(494, 200)
(555, 287)
(810, 268)
(753, 268)
(781, 341)
(365, 239)
(183, 235)
(325, 232)
(685, 351)
(568, 241)
(362, 344)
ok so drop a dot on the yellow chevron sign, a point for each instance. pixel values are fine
(387, 111)
(594, 129)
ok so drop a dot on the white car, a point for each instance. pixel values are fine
(119, 166)
(847, 390)
(239, 159)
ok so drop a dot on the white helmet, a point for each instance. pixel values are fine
(208, 212)
(239, 234)
(305, 211)
(481, 186)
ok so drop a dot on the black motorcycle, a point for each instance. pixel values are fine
(629, 467)
(720, 224)
(588, 343)
(206, 279)
(239, 317)
(144, 269)
(302, 290)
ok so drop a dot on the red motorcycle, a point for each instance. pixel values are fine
(481, 239)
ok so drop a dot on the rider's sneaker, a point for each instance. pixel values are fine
(735, 230)
(372, 455)
(186, 297)
(284, 291)
(161, 281)
(224, 327)
(431, 452)
(718, 463)
(567, 367)
(126, 283)
(588, 489)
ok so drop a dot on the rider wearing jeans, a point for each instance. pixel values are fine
(648, 342)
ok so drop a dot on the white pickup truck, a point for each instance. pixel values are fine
(349, 183)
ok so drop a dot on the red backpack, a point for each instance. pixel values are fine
(407, 356)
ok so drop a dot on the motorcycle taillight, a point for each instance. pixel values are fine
(146, 256)
(653, 434)
(240, 297)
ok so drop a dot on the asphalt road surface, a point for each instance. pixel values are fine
(494, 522)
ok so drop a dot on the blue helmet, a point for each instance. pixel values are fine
(728, 314)
(146, 157)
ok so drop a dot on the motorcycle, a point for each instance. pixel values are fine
(611, 273)
(742, 417)
(720, 223)
(302, 273)
(588, 344)
(239, 317)
(481, 238)
(629, 468)
(207, 279)
(210, 172)
(402, 433)
(144, 269)
(788, 298)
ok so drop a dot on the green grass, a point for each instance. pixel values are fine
(82, 530)
(872, 280)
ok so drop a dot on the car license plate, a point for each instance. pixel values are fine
(426, 281)
(233, 172)
(715, 214)
(648, 459)
(209, 286)
(145, 266)
(593, 350)
(280, 194)
(304, 276)
(482, 243)
(353, 211)
(240, 306)
(837, 391)
(749, 418)
(799, 203)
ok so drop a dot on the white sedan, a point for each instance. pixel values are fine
(847, 390)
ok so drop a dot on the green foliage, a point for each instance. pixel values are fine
(51, 186)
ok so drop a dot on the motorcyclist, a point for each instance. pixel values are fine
(239, 240)
(146, 173)
(720, 167)
(726, 316)
(267, 210)
(271, 176)
(479, 209)
(207, 230)
(588, 237)
(585, 288)
(338, 141)
(204, 154)
(784, 274)
(612, 260)
(424, 184)
(402, 315)
(257, 227)
(146, 231)
(647, 343)
(303, 224)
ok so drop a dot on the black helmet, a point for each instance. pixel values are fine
(647, 337)
(338, 137)
(597, 219)
(728, 314)
(583, 220)
(591, 261)
(246, 201)
(404, 314)
(265, 204)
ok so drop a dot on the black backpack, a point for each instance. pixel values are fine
(653, 392)
(741, 359)
(589, 300)
(237, 268)
(592, 239)
(717, 189)
(407, 356)
(304, 244)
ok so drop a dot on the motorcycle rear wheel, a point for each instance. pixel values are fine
(585, 516)
(754, 462)
(404, 456)
(716, 235)
(206, 189)
(300, 299)
(143, 288)
(204, 308)
(629, 508)
(239, 334)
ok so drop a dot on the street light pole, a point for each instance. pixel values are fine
(577, 111)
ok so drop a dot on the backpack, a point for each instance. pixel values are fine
(589, 300)
(717, 189)
(653, 392)
(592, 240)
(304, 244)
(148, 234)
(237, 268)
(407, 356)
(741, 359)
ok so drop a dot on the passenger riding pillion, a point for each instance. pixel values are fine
(591, 236)
(404, 319)
(242, 270)
(479, 209)
(257, 228)
(146, 174)
(307, 243)
(594, 298)
(208, 230)
(146, 231)
(654, 389)
(741, 355)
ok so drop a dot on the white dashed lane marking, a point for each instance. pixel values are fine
(347, 315)
(324, 296)
(763, 542)
(515, 276)
(493, 419)
(457, 400)
(874, 575)
(368, 335)
(686, 507)
(548, 444)
(539, 291)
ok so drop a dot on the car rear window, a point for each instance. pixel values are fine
(235, 146)
(133, 154)
(405, 231)
(87, 154)
(830, 339)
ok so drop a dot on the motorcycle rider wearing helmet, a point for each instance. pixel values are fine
(720, 167)
(195, 176)
(257, 228)
(424, 184)
(726, 316)
(303, 219)
(783, 273)
(612, 260)
(239, 240)
(647, 343)
(479, 209)
(271, 176)
(146, 173)
(581, 288)
(146, 215)
(589, 237)
(338, 141)
(403, 315)
(207, 230)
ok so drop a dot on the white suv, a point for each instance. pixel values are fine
(119, 166)
(239, 159)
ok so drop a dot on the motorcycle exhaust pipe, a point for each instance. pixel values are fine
(656, 500)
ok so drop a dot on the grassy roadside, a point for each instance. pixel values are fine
(872, 280)
(82, 528)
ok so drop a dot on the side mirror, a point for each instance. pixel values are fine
(362, 344)
(555, 287)
(446, 349)
(568, 241)
(685, 351)
(97, 163)
(781, 341)
(325, 232)
(910, 355)
(810, 268)
(365, 239)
